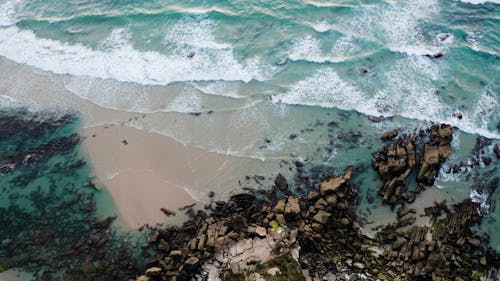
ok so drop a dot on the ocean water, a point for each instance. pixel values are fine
(264, 70)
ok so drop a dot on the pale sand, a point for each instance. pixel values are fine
(152, 171)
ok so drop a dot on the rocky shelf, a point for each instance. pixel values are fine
(276, 235)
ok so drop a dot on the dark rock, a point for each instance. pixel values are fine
(496, 149)
(153, 271)
(292, 206)
(435, 55)
(281, 182)
(486, 160)
(167, 213)
(389, 135)
(322, 217)
(457, 114)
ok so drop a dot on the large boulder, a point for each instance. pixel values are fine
(153, 271)
(281, 182)
(322, 217)
(331, 184)
(292, 207)
(280, 206)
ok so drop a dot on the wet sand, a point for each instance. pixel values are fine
(145, 172)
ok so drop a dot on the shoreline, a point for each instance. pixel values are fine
(309, 223)
(316, 235)
(145, 172)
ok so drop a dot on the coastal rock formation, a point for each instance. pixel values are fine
(316, 235)
(423, 153)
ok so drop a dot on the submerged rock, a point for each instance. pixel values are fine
(281, 182)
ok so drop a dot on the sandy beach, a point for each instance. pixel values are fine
(145, 172)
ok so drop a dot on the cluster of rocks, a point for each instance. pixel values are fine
(250, 228)
(447, 249)
(423, 152)
(319, 231)
(478, 156)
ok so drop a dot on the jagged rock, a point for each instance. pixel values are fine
(143, 278)
(320, 204)
(358, 265)
(280, 206)
(273, 271)
(443, 36)
(281, 182)
(261, 231)
(431, 155)
(404, 211)
(331, 184)
(312, 194)
(163, 245)
(496, 149)
(474, 242)
(435, 55)
(397, 160)
(486, 160)
(331, 199)
(153, 271)
(89, 269)
(322, 217)
(192, 261)
(104, 222)
(345, 221)
(175, 253)
(389, 135)
(292, 207)
(280, 218)
(457, 114)
(153, 237)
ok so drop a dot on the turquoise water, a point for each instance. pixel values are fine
(268, 69)
(47, 207)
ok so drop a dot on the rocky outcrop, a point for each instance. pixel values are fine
(318, 231)
(281, 182)
(423, 153)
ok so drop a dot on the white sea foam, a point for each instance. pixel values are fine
(408, 91)
(482, 199)
(8, 101)
(309, 49)
(118, 59)
(219, 88)
(325, 88)
(476, 2)
(397, 25)
(7, 11)
(187, 102)
(194, 32)
(322, 4)
(321, 26)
